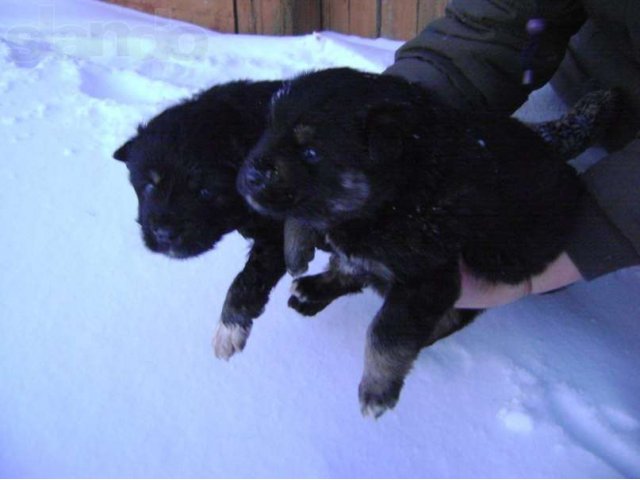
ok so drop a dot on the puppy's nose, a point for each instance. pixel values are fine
(164, 234)
(255, 178)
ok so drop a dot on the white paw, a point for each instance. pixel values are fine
(297, 292)
(229, 339)
(372, 410)
(376, 397)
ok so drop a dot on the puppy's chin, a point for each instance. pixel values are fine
(179, 255)
(179, 250)
(271, 209)
(321, 215)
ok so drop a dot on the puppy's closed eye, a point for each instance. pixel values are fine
(303, 134)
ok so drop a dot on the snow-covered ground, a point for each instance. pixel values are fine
(105, 359)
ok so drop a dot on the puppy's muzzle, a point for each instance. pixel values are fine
(165, 235)
(269, 185)
(262, 187)
(253, 181)
(258, 180)
(163, 232)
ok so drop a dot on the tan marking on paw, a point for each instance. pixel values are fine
(228, 340)
(295, 291)
(372, 410)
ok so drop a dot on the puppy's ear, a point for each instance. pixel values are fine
(122, 154)
(384, 131)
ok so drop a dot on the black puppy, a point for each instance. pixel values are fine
(403, 188)
(183, 165)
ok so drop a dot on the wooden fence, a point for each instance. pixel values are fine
(397, 19)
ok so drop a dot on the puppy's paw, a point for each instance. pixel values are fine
(377, 396)
(308, 309)
(229, 339)
(299, 263)
(304, 298)
(299, 247)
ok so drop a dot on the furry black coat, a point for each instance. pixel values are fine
(402, 188)
(183, 165)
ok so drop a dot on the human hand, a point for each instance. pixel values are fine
(478, 293)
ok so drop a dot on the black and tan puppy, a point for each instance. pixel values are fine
(403, 188)
(183, 165)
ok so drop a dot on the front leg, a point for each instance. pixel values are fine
(312, 293)
(247, 297)
(300, 243)
(405, 323)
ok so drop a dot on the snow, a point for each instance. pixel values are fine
(105, 355)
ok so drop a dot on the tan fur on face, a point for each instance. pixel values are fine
(303, 133)
(155, 177)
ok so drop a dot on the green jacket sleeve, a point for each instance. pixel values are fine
(472, 60)
(472, 57)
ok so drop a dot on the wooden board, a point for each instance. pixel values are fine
(246, 18)
(215, 14)
(363, 18)
(306, 15)
(258, 16)
(147, 6)
(278, 17)
(335, 15)
(398, 19)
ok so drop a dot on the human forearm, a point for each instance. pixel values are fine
(471, 58)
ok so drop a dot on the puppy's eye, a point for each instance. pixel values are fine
(153, 179)
(205, 194)
(310, 155)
